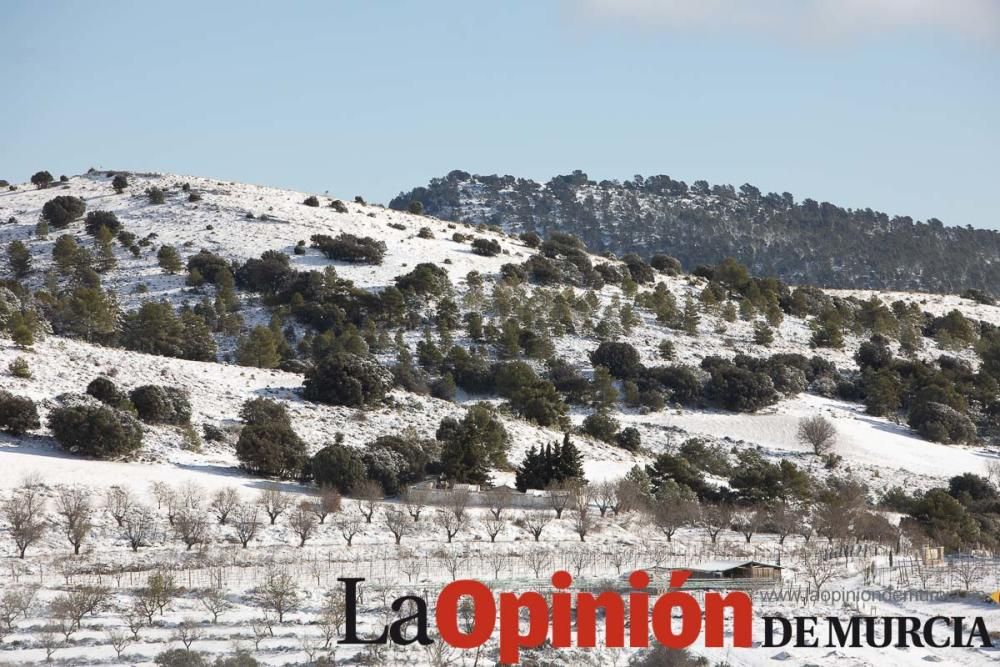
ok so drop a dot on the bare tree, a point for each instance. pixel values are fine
(367, 495)
(16, 601)
(51, 640)
(24, 512)
(191, 527)
(134, 619)
(494, 526)
(582, 521)
(138, 527)
(993, 472)
(715, 518)
(187, 633)
(969, 570)
(535, 522)
(450, 522)
(498, 560)
(118, 640)
(332, 617)
(560, 496)
(71, 607)
(414, 502)
(191, 495)
(349, 526)
(452, 562)
(74, 506)
(224, 502)
(213, 598)
(458, 502)
(119, 502)
(303, 522)
(500, 499)
(278, 593)
(398, 523)
(749, 521)
(630, 496)
(672, 511)
(817, 569)
(326, 504)
(784, 521)
(618, 556)
(246, 523)
(274, 501)
(605, 496)
(537, 560)
(817, 432)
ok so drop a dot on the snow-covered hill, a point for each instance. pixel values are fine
(240, 221)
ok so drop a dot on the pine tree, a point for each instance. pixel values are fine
(168, 259)
(19, 259)
(64, 253)
(225, 292)
(529, 474)
(105, 250)
(570, 464)
(690, 318)
(258, 348)
(762, 334)
(603, 389)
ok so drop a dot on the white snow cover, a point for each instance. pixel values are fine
(883, 453)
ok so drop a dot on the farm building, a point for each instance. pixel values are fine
(734, 569)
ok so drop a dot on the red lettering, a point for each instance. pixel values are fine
(638, 609)
(511, 639)
(562, 614)
(484, 617)
(690, 614)
(715, 618)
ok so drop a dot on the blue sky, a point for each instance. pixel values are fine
(892, 104)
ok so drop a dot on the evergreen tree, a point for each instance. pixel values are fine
(19, 259)
(64, 253)
(690, 318)
(762, 334)
(169, 260)
(472, 445)
(258, 348)
(105, 250)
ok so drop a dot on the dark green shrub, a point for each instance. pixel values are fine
(665, 264)
(179, 657)
(424, 280)
(41, 179)
(629, 438)
(531, 239)
(18, 414)
(485, 247)
(347, 379)
(156, 196)
(601, 425)
(106, 391)
(271, 448)
(209, 265)
(311, 200)
(338, 466)
(119, 183)
(942, 423)
(350, 248)
(621, 359)
(62, 210)
(156, 404)
(96, 430)
(97, 219)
